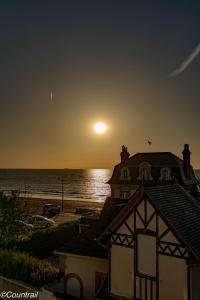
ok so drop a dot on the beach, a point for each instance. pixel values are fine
(35, 205)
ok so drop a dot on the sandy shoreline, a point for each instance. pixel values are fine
(35, 205)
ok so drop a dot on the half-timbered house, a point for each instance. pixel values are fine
(146, 244)
(154, 246)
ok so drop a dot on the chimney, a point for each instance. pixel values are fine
(124, 154)
(186, 160)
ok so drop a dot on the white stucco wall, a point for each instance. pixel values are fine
(85, 268)
(122, 271)
(173, 278)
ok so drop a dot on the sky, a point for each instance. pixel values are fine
(65, 65)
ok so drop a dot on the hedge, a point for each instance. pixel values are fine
(23, 267)
(42, 243)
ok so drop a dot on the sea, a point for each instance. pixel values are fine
(72, 184)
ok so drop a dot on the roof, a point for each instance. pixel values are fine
(178, 207)
(157, 160)
(182, 212)
(85, 244)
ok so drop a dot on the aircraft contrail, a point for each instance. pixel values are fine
(51, 96)
(186, 62)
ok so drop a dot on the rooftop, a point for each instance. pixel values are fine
(85, 244)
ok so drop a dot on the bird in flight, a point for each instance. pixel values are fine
(149, 143)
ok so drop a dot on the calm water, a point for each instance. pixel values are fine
(79, 184)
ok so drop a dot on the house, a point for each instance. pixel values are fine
(154, 246)
(83, 260)
(146, 244)
(151, 168)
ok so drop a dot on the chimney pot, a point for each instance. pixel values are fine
(124, 154)
(186, 160)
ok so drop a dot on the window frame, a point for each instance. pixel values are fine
(126, 193)
(99, 275)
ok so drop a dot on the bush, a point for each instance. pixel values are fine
(23, 267)
(42, 243)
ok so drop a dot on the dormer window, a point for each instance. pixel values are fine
(125, 174)
(165, 174)
(124, 194)
(144, 172)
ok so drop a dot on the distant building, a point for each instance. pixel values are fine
(146, 244)
(151, 168)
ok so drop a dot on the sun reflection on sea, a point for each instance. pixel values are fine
(97, 183)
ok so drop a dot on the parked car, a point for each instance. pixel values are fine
(23, 226)
(41, 222)
(51, 208)
(26, 225)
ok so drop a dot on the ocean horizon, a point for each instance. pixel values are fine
(77, 184)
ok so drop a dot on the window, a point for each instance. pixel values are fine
(125, 173)
(165, 174)
(144, 172)
(124, 194)
(146, 255)
(73, 285)
(99, 279)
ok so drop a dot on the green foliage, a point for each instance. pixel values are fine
(11, 209)
(25, 268)
(42, 243)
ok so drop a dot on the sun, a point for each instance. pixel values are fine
(100, 127)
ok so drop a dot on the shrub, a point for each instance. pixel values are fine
(42, 243)
(23, 267)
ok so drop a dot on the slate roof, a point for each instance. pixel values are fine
(157, 160)
(178, 207)
(85, 244)
(181, 210)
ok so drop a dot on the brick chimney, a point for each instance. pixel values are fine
(186, 160)
(124, 154)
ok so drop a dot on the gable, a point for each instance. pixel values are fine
(144, 217)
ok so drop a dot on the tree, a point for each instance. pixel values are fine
(12, 212)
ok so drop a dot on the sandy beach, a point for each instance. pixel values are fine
(35, 205)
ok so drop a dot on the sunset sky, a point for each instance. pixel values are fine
(65, 65)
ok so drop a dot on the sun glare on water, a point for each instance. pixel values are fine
(100, 128)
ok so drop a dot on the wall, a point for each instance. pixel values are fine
(173, 278)
(7, 284)
(15, 286)
(85, 268)
(47, 295)
(122, 271)
(62, 263)
(195, 282)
